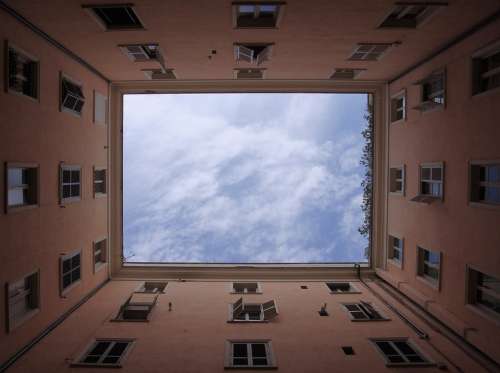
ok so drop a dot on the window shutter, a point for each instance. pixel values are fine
(237, 308)
(270, 310)
(264, 55)
(244, 53)
(370, 310)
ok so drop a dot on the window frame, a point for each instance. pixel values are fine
(277, 19)
(481, 54)
(267, 51)
(430, 198)
(89, 8)
(262, 311)
(427, 362)
(433, 8)
(101, 264)
(479, 203)
(471, 295)
(9, 45)
(69, 167)
(393, 108)
(353, 289)
(362, 307)
(78, 361)
(356, 72)
(270, 356)
(18, 208)
(421, 275)
(151, 305)
(63, 109)
(427, 106)
(14, 324)
(390, 256)
(105, 182)
(402, 192)
(65, 290)
(232, 290)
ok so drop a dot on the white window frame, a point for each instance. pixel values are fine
(280, 9)
(471, 296)
(391, 248)
(79, 360)
(29, 56)
(363, 307)
(13, 323)
(430, 198)
(353, 289)
(232, 289)
(401, 95)
(372, 47)
(67, 167)
(100, 264)
(95, 181)
(431, 281)
(479, 55)
(270, 307)
(427, 362)
(142, 287)
(64, 290)
(14, 208)
(426, 104)
(394, 180)
(475, 184)
(270, 357)
(62, 108)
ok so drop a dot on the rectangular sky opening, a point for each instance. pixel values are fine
(245, 178)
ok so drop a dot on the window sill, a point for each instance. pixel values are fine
(100, 195)
(433, 284)
(17, 93)
(345, 292)
(99, 266)
(20, 208)
(247, 321)
(17, 323)
(250, 368)
(484, 205)
(397, 194)
(71, 112)
(65, 201)
(370, 320)
(395, 263)
(484, 312)
(486, 93)
(69, 288)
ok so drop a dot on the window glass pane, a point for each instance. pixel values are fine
(395, 359)
(75, 176)
(426, 173)
(491, 194)
(258, 350)
(259, 361)
(15, 177)
(66, 191)
(240, 361)
(433, 257)
(111, 360)
(352, 307)
(66, 280)
(268, 8)
(489, 301)
(16, 197)
(66, 176)
(99, 348)
(75, 261)
(359, 315)
(240, 350)
(431, 272)
(415, 358)
(436, 174)
(386, 348)
(66, 265)
(75, 275)
(118, 349)
(405, 348)
(247, 9)
(75, 190)
(91, 359)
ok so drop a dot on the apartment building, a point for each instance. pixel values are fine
(427, 300)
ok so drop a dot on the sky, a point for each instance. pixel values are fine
(243, 178)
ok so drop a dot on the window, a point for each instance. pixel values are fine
(106, 352)
(240, 311)
(485, 182)
(22, 185)
(252, 15)
(99, 182)
(246, 287)
(342, 287)
(252, 53)
(249, 354)
(486, 69)
(397, 180)
(346, 73)
(433, 91)
(429, 265)
(70, 184)
(398, 107)
(137, 308)
(152, 287)
(72, 98)
(410, 14)
(100, 253)
(23, 299)
(249, 73)
(398, 351)
(431, 183)
(395, 251)
(70, 267)
(22, 72)
(348, 350)
(484, 291)
(159, 74)
(115, 16)
(369, 51)
(363, 311)
(100, 108)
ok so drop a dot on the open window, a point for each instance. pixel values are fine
(411, 14)
(114, 16)
(432, 91)
(485, 182)
(105, 353)
(72, 98)
(22, 185)
(399, 351)
(22, 72)
(486, 68)
(249, 354)
(138, 307)
(241, 312)
(431, 183)
(342, 288)
(23, 300)
(153, 287)
(395, 250)
(257, 15)
(363, 311)
(370, 51)
(252, 53)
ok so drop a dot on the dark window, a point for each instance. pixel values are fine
(251, 354)
(348, 350)
(159, 74)
(398, 108)
(485, 183)
(257, 15)
(399, 351)
(106, 352)
(137, 307)
(100, 252)
(410, 15)
(70, 270)
(486, 71)
(340, 287)
(395, 249)
(484, 290)
(22, 73)
(72, 98)
(433, 91)
(116, 17)
(363, 311)
(22, 186)
(99, 181)
(22, 299)
(70, 183)
(245, 287)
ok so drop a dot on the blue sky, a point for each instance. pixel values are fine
(242, 178)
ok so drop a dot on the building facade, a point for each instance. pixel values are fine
(428, 299)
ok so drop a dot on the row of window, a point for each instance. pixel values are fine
(483, 290)
(23, 186)
(484, 182)
(23, 295)
(23, 75)
(253, 354)
(485, 77)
